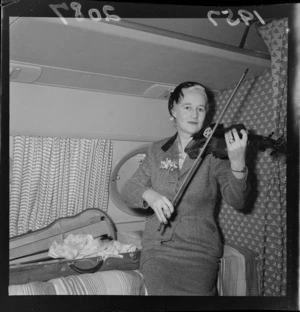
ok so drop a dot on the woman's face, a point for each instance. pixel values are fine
(190, 111)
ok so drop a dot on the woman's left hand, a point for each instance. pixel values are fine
(236, 148)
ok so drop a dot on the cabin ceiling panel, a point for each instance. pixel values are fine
(130, 57)
(203, 28)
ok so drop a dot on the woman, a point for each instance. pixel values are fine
(183, 257)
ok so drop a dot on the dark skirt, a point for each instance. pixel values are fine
(173, 270)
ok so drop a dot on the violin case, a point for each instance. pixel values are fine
(28, 253)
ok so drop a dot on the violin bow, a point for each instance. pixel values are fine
(197, 161)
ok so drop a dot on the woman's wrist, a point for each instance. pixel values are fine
(145, 194)
(239, 172)
(238, 166)
(145, 198)
(243, 170)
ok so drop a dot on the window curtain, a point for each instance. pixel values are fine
(56, 177)
(260, 104)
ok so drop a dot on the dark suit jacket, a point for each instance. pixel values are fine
(193, 223)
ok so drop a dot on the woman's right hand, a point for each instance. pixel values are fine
(161, 205)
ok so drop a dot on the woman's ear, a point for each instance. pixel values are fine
(173, 112)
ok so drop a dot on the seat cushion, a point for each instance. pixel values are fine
(238, 273)
(33, 288)
(112, 282)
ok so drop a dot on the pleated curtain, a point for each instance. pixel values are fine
(56, 177)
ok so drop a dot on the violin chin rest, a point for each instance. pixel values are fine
(192, 152)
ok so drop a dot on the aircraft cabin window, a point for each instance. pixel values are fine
(123, 170)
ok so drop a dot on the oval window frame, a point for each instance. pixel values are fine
(113, 189)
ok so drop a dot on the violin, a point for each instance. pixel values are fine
(217, 143)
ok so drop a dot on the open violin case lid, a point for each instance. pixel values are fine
(28, 253)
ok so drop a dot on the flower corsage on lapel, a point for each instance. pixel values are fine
(168, 164)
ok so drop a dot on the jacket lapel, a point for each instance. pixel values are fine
(169, 143)
(171, 151)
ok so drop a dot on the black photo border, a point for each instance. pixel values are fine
(149, 9)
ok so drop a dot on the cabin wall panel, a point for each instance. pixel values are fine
(52, 111)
